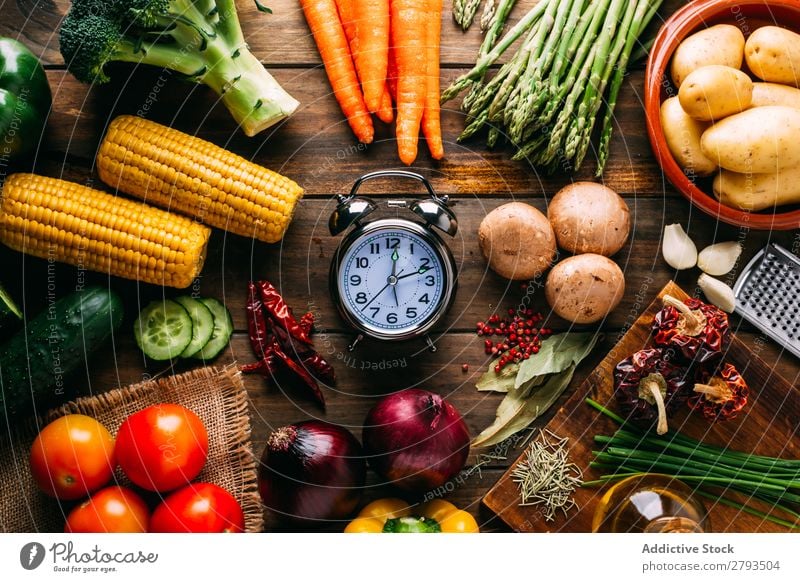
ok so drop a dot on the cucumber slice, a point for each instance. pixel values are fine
(223, 328)
(202, 324)
(163, 330)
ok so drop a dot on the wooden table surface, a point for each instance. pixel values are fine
(315, 148)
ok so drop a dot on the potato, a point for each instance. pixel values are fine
(584, 288)
(765, 94)
(713, 92)
(589, 218)
(760, 140)
(683, 139)
(722, 44)
(773, 54)
(517, 241)
(758, 191)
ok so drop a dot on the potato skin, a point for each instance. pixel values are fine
(773, 54)
(683, 139)
(589, 218)
(766, 94)
(517, 241)
(758, 191)
(585, 288)
(722, 44)
(760, 140)
(714, 92)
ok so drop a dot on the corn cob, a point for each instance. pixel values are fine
(173, 170)
(70, 223)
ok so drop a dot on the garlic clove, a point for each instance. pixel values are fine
(719, 259)
(717, 293)
(678, 249)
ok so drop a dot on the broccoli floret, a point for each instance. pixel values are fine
(199, 39)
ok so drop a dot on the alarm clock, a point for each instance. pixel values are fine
(393, 279)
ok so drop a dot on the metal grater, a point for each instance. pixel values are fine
(768, 295)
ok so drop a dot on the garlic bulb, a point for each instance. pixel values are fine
(678, 249)
(720, 258)
(717, 293)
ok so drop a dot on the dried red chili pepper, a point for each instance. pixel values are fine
(721, 394)
(301, 372)
(649, 386)
(280, 312)
(307, 322)
(307, 356)
(698, 330)
(256, 324)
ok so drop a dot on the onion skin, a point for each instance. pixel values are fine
(416, 440)
(312, 471)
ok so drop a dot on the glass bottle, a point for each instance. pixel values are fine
(650, 503)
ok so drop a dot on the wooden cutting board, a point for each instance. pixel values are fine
(770, 425)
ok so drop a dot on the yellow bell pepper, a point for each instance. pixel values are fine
(396, 516)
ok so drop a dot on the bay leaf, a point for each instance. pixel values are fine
(556, 353)
(501, 381)
(517, 412)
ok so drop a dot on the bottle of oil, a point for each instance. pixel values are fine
(650, 503)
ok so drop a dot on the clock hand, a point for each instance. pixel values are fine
(395, 256)
(374, 297)
(420, 271)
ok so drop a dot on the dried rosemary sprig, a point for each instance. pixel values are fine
(546, 476)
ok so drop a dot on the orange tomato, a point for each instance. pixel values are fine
(72, 456)
(114, 509)
(162, 447)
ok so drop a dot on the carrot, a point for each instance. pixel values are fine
(347, 16)
(409, 36)
(372, 58)
(431, 126)
(385, 112)
(323, 20)
(391, 75)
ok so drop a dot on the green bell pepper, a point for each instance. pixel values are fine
(25, 101)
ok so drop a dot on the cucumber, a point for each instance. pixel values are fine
(202, 324)
(163, 330)
(36, 362)
(223, 328)
(10, 315)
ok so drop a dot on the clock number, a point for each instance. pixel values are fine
(391, 318)
(430, 281)
(361, 298)
(425, 264)
(392, 242)
(362, 262)
(355, 280)
(375, 311)
(411, 312)
(374, 248)
(424, 298)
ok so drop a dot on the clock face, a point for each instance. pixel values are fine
(392, 280)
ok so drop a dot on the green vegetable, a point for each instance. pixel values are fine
(10, 315)
(549, 95)
(25, 101)
(163, 330)
(35, 363)
(202, 324)
(538, 383)
(773, 481)
(223, 329)
(199, 39)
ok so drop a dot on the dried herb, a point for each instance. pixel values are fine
(546, 476)
(525, 402)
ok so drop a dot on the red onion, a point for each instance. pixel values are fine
(310, 471)
(416, 439)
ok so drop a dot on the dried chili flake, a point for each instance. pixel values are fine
(719, 395)
(699, 331)
(649, 386)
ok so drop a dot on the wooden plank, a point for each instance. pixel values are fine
(299, 266)
(770, 425)
(316, 147)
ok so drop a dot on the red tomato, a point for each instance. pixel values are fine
(198, 508)
(111, 510)
(72, 456)
(162, 447)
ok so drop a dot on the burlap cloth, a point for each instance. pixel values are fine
(216, 395)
